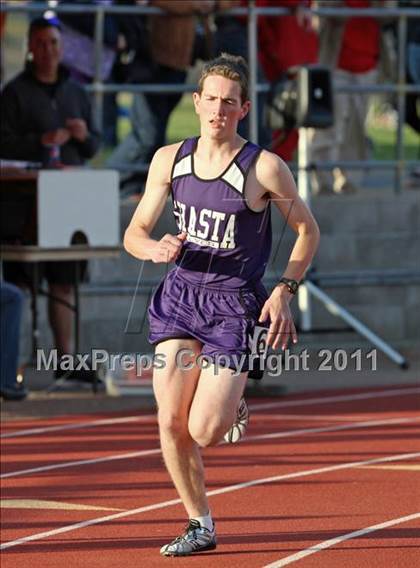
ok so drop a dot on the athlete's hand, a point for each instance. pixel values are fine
(168, 248)
(282, 328)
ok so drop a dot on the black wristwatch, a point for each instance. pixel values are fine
(291, 285)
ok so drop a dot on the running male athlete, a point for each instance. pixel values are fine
(210, 303)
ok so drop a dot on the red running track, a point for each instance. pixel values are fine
(322, 480)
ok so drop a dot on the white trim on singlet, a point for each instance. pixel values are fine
(234, 177)
(183, 167)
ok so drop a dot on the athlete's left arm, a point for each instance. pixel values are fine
(276, 179)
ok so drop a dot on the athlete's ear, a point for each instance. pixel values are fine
(244, 109)
(196, 100)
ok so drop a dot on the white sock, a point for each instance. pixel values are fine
(206, 521)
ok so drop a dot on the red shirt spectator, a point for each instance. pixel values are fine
(283, 42)
(360, 47)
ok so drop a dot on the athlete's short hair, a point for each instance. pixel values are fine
(232, 67)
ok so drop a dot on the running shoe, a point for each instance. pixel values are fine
(238, 428)
(195, 538)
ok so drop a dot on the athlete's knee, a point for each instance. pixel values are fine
(172, 425)
(207, 433)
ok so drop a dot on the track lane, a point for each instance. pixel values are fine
(256, 457)
(276, 503)
(17, 451)
(321, 546)
(9, 429)
(250, 438)
(90, 489)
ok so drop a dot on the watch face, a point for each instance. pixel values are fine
(291, 284)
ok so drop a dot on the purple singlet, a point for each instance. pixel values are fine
(214, 294)
(228, 244)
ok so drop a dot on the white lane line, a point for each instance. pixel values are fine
(400, 467)
(227, 489)
(261, 406)
(79, 462)
(338, 398)
(333, 541)
(273, 435)
(314, 417)
(77, 425)
(59, 505)
(352, 426)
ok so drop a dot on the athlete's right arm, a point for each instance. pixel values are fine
(137, 240)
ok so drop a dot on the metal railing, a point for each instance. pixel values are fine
(98, 88)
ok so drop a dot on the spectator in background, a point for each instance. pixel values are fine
(351, 48)
(171, 39)
(40, 108)
(11, 303)
(232, 37)
(285, 42)
(172, 42)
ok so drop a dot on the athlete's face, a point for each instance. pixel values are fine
(219, 106)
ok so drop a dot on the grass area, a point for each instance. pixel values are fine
(183, 122)
(384, 142)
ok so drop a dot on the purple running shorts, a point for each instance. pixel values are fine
(224, 321)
